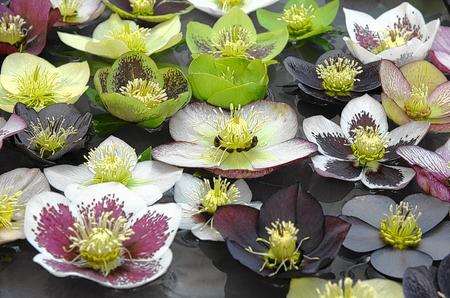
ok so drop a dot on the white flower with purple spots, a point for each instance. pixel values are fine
(221, 7)
(359, 147)
(400, 35)
(14, 125)
(105, 233)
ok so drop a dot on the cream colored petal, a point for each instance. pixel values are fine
(11, 235)
(162, 34)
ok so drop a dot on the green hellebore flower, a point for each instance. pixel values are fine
(302, 18)
(135, 90)
(225, 81)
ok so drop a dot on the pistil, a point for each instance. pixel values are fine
(347, 289)
(368, 146)
(8, 207)
(298, 18)
(233, 41)
(143, 7)
(220, 194)
(133, 38)
(417, 107)
(13, 29)
(338, 75)
(148, 92)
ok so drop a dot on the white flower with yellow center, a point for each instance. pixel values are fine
(115, 161)
(78, 11)
(221, 7)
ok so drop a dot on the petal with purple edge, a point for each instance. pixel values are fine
(443, 276)
(441, 60)
(418, 282)
(206, 233)
(250, 260)
(334, 168)
(362, 237)
(436, 243)
(303, 72)
(442, 40)
(439, 99)
(431, 184)
(428, 160)
(14, 125)
(394, 83)
(387, 177)
(444, 151)
(378, 205)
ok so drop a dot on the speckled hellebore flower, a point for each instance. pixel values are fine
(289, 236)
(246, 142)
(399, 35)
(105, 233)
(302, 18)
(36, 83)
(411, 233)
(432, 168)
(53, 131)
(336, 77)
(135, 90)
(313, 287)
(115, 37)
(417, 91)
(154, 11)
(221, 7)
(78, 11)
(200, 200)
(115, 161)
(234, 81)
(359, 147)
(23, 26)
(14, 125)
(234, 35)
(440, 51)
(16, 188)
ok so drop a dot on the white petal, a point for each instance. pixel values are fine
(122, 149)
(422, 51)
(353, 17)
(365, 56)
(388, 177)
(403, 54)
(188, 190)
(390, 17)
(159, 174)
(162, 34)
(208, 6)
(245, 194)
(252, 5)
(14, 125)
(86, 9)
(10, 235)
(206, 233)
(29, 181)
(410, 133)
(188, 220)
(149, 192)
(61, 176)
(183, 154)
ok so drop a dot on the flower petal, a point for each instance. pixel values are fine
(430, 184)
(365, 56)
(159, 174)
(441, 60)
(355, 17)
(14, 125)
(183, 154)
(28, 181)
(187, 190)
(444, 151)
(394, 83)
(210, 7)
(444, 276)
(369, 79)
(362, 237)
(61, 176)
(436, 243)
(248, 259)
(428, 160)
(306, 287)
(418, 282)
(10, 235)
(206, 233)
(331, 167)
(421, 52)
(378, 206)
(122, 149)
(303, 72)
(245, 194)
(387, 177)
(440, 100)
(393, 111)
(250, 6)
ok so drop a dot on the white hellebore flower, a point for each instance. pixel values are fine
(221, 7)
(115, 161)
(399, 35)
(200, 200)
(78, 11)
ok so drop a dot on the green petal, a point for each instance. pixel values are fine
(177, 88)
(269, 20)
(236, 16)
(152, 122)
(163, 34)
(238, 95)
(204, 85)
(306, 287)
(423, 72)
(198, 37)
(270, 44)
(393, 111)
(385, 288)
(100, 79)
(125, 108)
(326, 14)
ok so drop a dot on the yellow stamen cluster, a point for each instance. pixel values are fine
(8, 207)
(69, 8)
(220, 194)
(399, 228)
(99, 241)
(298, 18)
(347, 289)
(143, 7)
(51, 138)
(12, 29)
(338, 75)
(227, 4)
(234, 41)
(393, 38)
(417, 107)
(148, 92)
(368, 146)
(134, 38)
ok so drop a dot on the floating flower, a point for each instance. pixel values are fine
(16, 188)
(115, 161)
(411, 233)
(358, 148)
(53, 131)
(154, 11)
(36, 83)
(399, 35)
(105, 233)
(302, 18)
(200, 200)
(418, 91)
(115, 37)
(78, 11)
(230, 80)
(135, 90)
(247, 142)
(234, 35)
(432, 169)
(440, 51)
(14, 125)
(313, 287)
(335, 78)
(221, 7)
(288, 237)
(23, 26)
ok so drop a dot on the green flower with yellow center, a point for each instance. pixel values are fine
(298, 18)
(368, 146)
(347, 289)
(134, 37)
(149, 92)
(233, 41)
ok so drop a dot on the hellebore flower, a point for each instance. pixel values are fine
(115, 37)
(14, 125)
(135, 90)
(221, 7)
(16, 188)
(313, 287)
(53, 131)
(302, 18)
(115, 161)
(335, 78)
(36, 83)
(418, 91)
(440, 51)
(432, 169)
(154, 11)
(411, 233)
(23, 26)
(358, 148)
(105, 233)
(421, 282)
(247, 142)
(78, 11)
(200, 200)
(399, 35)
(234, 35)
(289, 236)
(234, 81)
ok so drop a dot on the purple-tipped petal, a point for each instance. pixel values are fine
(387, 177)
(430, 184)
(241, 174)
(362, 237)
(418, 282)
(428, 160)
(443, 276)
(310, 221)
(340, 169)
(14, 125)
(394, 82)
(436, 243)
(433, 211)
(441, 60)
(442, 40)
(358, 207)
(303, 72)
(440, 100)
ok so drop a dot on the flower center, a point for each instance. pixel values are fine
(347, 289)
(417, 107)
(234, 41)
(148, 92)
(50, 139)
(99, 241)
(338, 75)
(133, 38)
(227, 4)
(298, 18)
(143, 7)
(399, 228)
(111, 163)
(8, 207)
(368, 146)
(222, 193)
(69, 8)
(13, 29)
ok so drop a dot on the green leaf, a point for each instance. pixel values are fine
(106, 124)
(145, 155)
(270, 20)
(322, 42)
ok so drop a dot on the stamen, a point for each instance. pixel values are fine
(13, 29)
(233, 41)
(338, 75)
(222, 193)
(143, 7)
(298, 18)
(346, 289)
(8, 207)
(228, 4)
(417, 107)
(69, 8)
(368, 146)
(133, 38)
(149, 92)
